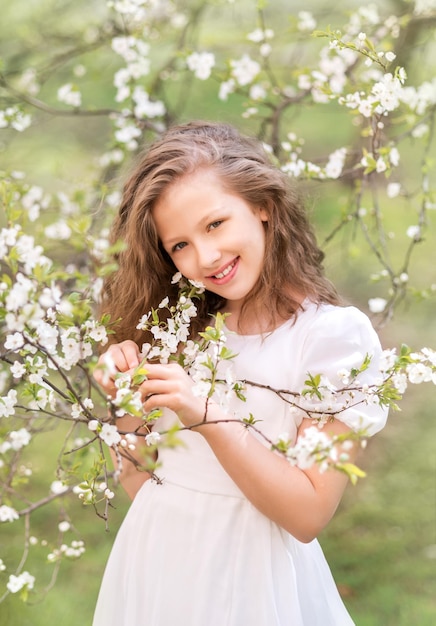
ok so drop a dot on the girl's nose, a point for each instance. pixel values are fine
(208, 255)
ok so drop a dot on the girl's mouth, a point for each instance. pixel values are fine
(228, 271)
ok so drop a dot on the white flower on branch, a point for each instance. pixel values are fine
(19, 438)
(424, 7)
(18, 369)
(201, 63)
(8, 514)
(335, 164)
(414, 232)
(144, 107)
(419, 373)
(57, 487)
(313, 446)
(28, 81)
(127, 133)
(7, 403)
(14, 342)
(377, 305)
(16, 583)
(70, 94)
(259, 35)
(58, 230)
(306, 21)
(393, 190)
(153, 439)
(74, 551)
(226, 88)
(110, 435)
(244, 70)
(14, 118)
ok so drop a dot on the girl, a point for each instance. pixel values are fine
(227, 537)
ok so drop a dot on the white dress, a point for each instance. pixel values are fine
(193, 551)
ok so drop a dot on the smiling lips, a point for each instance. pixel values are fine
(226, 274)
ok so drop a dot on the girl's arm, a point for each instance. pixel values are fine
(300, 501)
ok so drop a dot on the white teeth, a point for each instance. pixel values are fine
(225, 272)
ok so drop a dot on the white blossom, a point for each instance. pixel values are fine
(226, 88)
(380, 165)
(108, 494)
(69, 94)
(19, 438)
(377, 305)
(18, 369)
(7, 403)
(394, 156)
(58, 487)
(419, 373)
(16, 583)
(335, 164)
(420, 131)
(265, 49)
(28, 81)
(303, 453)
(8, 514)
(58, 230)
(306, 21)
(414, 232)
(393, 190)
(423, 7)
(399, 380)
(127, 133)
(76, 410)
(257, 92)
(14, 118)
(144, 107)
(244, 70)
(259, 35)
(109, 434)
(152, 438)
(201, 63)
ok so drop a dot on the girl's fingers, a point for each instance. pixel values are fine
(120, 357)
(165, 372)
(125, 355)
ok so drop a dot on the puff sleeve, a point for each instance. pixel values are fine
(337, 340)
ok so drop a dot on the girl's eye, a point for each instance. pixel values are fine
(214, 225)
(178, 246)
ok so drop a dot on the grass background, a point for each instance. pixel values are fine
(381, 545)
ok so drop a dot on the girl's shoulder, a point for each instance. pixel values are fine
(336, 330)
(332, 317)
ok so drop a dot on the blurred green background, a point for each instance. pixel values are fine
(381, 545)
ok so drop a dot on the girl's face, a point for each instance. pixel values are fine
(212, 235)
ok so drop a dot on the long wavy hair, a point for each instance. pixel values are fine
(293, 261)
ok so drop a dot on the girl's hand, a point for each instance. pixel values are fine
(170, 386)
(120, 357)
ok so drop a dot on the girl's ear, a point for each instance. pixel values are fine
(263, 214)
